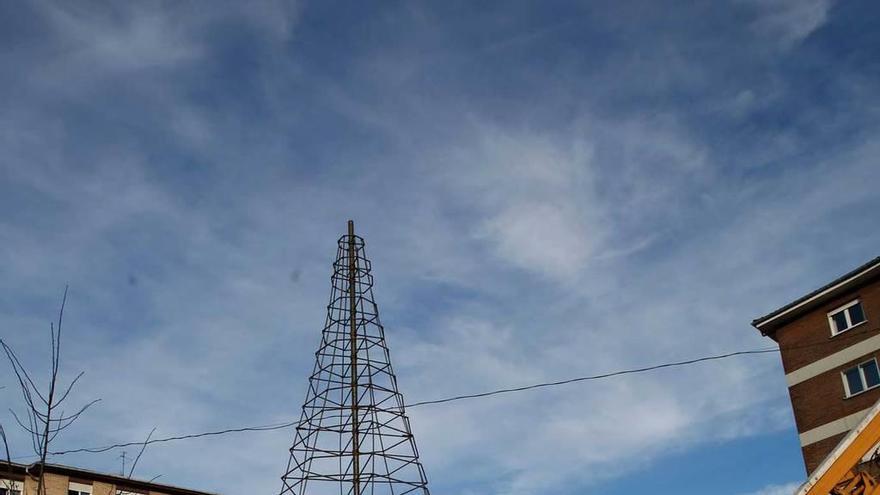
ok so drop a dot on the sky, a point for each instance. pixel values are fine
(546, 189)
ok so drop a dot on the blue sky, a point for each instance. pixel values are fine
(547, 189)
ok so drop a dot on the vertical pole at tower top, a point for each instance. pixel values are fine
(352, 313)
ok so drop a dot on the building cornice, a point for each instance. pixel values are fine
(769, 323)
(85, 474)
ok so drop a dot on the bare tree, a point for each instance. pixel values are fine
(44, 416)
(8, 456)
(6, 447)
(9, 483)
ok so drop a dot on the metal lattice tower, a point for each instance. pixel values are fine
(353, 437)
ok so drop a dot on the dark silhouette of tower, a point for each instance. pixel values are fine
(353, 437)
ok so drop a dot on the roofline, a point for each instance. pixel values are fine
(74, 472)
(842, 282)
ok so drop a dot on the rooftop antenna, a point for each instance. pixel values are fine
(353, 437)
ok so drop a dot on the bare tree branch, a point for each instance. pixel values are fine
(70, 387)
(43, 423)
(6, 447)
(22, 375)
(30, 429)
(143, 447)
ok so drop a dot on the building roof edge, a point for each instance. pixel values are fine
(23, 469)
(770, 322)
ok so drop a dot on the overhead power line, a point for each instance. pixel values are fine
(281, 426)
(591, 377)
(97, 450)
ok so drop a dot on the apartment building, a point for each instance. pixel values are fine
(829, 342)
(19, 479)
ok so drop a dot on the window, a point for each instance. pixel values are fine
(860, 378)
(75, 488)
(846, 317)
(8, 487)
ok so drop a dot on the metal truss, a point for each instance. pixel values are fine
(353, 437)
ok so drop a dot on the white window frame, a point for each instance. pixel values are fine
(844, 308)
(81, 488)
(861, 375)
(12, 485)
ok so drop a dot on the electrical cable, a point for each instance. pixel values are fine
(591, 377)
(95, 450)
(646, 369)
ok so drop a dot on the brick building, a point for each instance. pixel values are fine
(829, 342)
(18, 479)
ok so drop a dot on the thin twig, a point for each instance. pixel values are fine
(8, 458)
(143, 447)
(42, 422)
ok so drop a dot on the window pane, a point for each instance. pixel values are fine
(839, 321)
(854, 380)
(856, 314)
(872, 375)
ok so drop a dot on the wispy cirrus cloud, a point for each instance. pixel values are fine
(790, 22)
(612, 203)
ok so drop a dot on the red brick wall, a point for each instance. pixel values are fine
(815, 453)
(809, 337)
(820, 399)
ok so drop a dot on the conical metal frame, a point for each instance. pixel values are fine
(354, 437)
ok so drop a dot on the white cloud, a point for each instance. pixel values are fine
(144, 41)
(533, 196)
(506, 251)
(214, 327)
(784, 489)
(547, 237)
(789, 22)
(124, 39)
